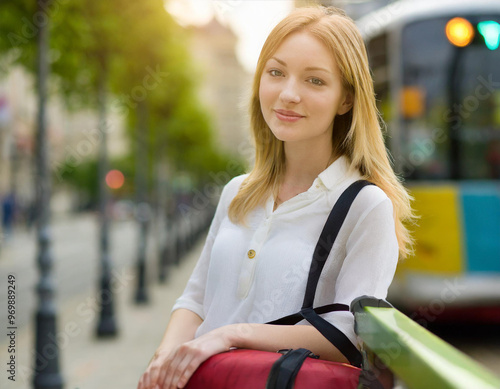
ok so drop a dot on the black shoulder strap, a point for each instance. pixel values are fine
(320, 255)
(328, 236)
(296, 317)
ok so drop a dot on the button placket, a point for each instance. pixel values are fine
(250, 261)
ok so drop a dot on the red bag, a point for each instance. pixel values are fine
(249, 369)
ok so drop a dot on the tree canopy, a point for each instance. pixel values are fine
(143, 55)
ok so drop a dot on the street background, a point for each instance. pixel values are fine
(85, 361)
(133, 115)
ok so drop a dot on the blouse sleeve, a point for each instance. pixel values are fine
(370, 263)
(194, 293)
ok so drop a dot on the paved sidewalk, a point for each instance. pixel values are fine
(88, 363)
(75, 260)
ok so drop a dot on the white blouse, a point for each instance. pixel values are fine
(258, 273)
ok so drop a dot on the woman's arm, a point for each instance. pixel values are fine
(268, 337)
(181, 328)
(186, 358)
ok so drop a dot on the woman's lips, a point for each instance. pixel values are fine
(287, 116)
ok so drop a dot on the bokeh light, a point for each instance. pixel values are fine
(459, 32)
(115, 179)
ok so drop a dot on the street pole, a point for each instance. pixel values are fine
(106, 326)
(454, 124)
(160, 213)
(142, 208)
(165, 248)
(46, 371)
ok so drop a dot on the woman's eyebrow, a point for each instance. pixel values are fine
(307, 69)
(317, 68)
(279, 60)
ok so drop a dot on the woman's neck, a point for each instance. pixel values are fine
(303, 164)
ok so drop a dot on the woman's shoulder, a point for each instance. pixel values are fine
(234, 183)
(233, 186)
(367, 199)
(371, 197)
(373, 194)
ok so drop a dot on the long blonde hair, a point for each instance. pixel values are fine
(356, 134)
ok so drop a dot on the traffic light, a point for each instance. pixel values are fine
(490, 30)
(461, 33)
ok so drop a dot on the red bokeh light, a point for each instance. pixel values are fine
(115, 179)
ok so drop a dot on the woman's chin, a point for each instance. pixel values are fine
(285, 137)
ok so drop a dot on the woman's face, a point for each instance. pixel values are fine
(301, 90)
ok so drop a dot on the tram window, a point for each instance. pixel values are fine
(378, 58)
(478, 111)
(456, 131)
(377, 51)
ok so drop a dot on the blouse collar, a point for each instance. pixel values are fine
(330, 178)
(336, 172)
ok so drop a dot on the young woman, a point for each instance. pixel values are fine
(316, 131)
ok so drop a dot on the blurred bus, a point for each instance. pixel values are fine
(436, 68)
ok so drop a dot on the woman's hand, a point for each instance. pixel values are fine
(172, 369)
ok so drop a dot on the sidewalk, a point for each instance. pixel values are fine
(88, 363)
(75, 261)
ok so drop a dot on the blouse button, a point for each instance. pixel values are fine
(251, 254)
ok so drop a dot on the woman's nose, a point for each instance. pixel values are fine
(290, 92)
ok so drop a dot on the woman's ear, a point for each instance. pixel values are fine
(346, 104)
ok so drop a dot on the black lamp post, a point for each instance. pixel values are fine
(46, 371)
(143, 212)
(106, 326)
(454, 123)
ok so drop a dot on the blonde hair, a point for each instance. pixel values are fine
(356, 134)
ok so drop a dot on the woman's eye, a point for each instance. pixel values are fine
(275, 73)
(316, 81)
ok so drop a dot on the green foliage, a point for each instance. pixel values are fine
(140, 52)
(18, 32)
(82, 177)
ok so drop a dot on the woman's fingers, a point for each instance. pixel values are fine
(174, 369)
(171, 378)
(144, 381)
(153, 372)
(185, 370)
(186, 361)
(162, 377)
(152, 376)
(169, 371)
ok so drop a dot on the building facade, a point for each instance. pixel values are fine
(225, 86)
(73, 137)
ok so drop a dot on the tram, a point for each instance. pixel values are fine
(436, 68)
